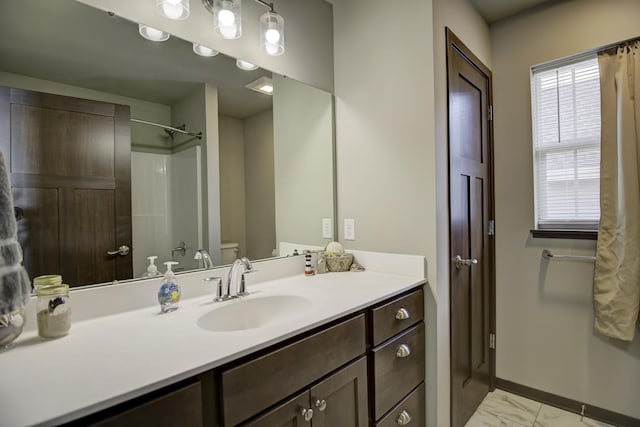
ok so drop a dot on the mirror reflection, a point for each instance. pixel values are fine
(149, 146)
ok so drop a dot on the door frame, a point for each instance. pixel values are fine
(453, 42)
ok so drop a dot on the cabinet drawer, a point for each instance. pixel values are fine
(254, 386)
(412, 405)
(395, 376)
(385, 321)
(181, 407)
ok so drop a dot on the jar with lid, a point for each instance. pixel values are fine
(47, 280)
(53, 311)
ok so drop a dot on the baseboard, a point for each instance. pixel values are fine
(570, 405)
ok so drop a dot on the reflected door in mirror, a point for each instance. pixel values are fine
(70, 171)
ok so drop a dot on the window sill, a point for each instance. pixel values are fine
(565, 234)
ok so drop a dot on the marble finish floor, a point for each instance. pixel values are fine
(500, 408)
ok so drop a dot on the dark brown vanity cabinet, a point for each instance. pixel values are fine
(365, 370)
(397, 362)
(339, 400)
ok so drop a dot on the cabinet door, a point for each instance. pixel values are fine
(289, 414)
(341, 400)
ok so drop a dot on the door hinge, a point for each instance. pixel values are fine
(492, 341)
(492, 227)
(490, 113)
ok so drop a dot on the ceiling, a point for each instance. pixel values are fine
(72, 43)
(494, 10)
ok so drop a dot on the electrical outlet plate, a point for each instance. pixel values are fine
(326, 228)
(349, 229)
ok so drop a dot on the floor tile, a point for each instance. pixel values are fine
(510, 407)
(482, 418)
(554, 417)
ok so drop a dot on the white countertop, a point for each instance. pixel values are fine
(111, 359)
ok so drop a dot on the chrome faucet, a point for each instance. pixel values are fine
(235, 280)
(204, 259)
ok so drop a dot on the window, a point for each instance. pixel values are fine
(566, 144)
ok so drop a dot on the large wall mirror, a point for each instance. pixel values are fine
(234, 172)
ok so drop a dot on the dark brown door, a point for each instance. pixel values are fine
(341, 399)
(70, 171)
(471, 253)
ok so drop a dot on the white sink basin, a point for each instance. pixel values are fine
(253, 312)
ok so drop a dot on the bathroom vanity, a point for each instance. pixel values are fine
(339, 349)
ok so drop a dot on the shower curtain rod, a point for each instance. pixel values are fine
(546, 254)
(169, 129)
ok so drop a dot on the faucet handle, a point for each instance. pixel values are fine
(243, 287)
(219, 295)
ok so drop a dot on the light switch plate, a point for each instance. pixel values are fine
(326, 228)
(349, 229)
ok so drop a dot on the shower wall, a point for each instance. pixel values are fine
(161, 186)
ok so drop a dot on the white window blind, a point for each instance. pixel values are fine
(566, 145)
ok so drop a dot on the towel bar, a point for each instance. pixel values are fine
(546, 254)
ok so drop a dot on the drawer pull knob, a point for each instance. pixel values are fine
(321, 405)
(402, 314)
(307, 414)
(403, 418)
(403, 351)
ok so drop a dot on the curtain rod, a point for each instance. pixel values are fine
(169, 128)
(567, 60)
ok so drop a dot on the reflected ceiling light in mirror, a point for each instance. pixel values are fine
(227, 18)
(152, 34)
(201, 50)
(272, 33)
(173, 9)
(245, 65)
(262, 85)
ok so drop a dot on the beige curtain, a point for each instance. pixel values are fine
(617, 269)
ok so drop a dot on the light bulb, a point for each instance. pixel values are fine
(226, 17)
(272, 35)
(271, 49)
(172, 11)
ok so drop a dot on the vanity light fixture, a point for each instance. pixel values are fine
(173, 9)
(262, 85)
(201, 50)
(227, 18)
(227, 21)
(245, 65)
(152, 34)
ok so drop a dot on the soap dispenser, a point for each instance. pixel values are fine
(152, 270)
(169, 293)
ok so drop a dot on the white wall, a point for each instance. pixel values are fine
(233, 221)
(385, 146)
(468, 26)
(259, 186)
(303, 154)
(545, 336)
(308, 34)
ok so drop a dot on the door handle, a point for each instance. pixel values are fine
(307, 414)
(122, 251)
(462, 262)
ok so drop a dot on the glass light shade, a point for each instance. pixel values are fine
(272, 33)
(244, 65)
(173, 9)
(227, 18)
(201, 50)
(152, 34)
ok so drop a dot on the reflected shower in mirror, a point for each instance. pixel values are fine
(230, 171)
